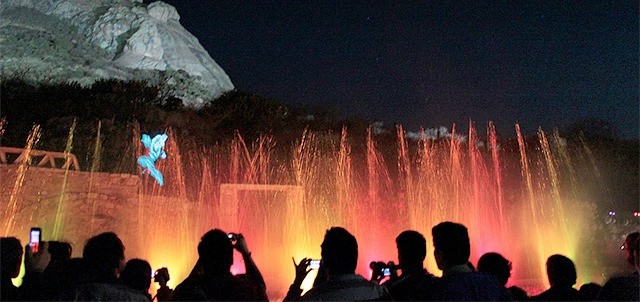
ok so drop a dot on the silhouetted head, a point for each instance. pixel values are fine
(589, 291)
(518, 293)
(632, 246)
(70, 275)
(11, 255)
(412, 249)
(451, 244)
(60, 251)
(137, 275)
(216, 252)
(496, 265)
(339, 252)
(561, 271)
(104, 254)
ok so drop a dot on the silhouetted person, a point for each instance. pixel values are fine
(33, 283)
(104, 259)
(339, 251)
(589, 292)
(212, 280)
(625, 288)
(70, 278)
(495, 265)
(53, 282)
(11, 258)
(164, 293)
(518, 294)
(562, 275)
(60, 251)
(137, 275)
(498, 266)
(415, 283)
(459, 281)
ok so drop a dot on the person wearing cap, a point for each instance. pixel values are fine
(625, 288)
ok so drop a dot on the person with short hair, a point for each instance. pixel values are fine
(562, 275)
(415, 283)
(103, 256)
(53, 283)
(339, 251)
(495, 265)
(212, 280)
(498, 266)
(137, 276)
(459, 281)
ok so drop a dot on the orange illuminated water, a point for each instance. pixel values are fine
(524, 202)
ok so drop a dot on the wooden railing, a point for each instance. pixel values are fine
(43, 158)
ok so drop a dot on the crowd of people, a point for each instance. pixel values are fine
(102, 274)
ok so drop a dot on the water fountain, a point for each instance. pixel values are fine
(525, 203)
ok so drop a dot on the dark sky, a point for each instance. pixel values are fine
(430, 63)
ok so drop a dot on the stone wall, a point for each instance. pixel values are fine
(89, 203)
(161, 229)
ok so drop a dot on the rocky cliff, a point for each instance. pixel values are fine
(83, 41)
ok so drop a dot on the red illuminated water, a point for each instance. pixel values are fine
(524, 203)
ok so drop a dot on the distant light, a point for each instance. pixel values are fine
(636, 214)
(622, 247)
(612, 213)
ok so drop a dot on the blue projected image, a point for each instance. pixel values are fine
(155, 150)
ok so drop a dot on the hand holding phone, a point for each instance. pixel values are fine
(302, 270)
(239, 243)
(36, 257)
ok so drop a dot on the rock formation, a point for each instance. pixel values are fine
(83, 41)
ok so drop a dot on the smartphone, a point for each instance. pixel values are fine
(231, 236)
(314, 264)
(34, 239)
(386, 272)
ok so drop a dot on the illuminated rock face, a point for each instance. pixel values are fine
(83, 41)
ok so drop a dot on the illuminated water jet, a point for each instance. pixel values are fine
(524, 203)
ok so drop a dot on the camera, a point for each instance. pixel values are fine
(35, 236)
(314, 264)
(380, 268)
(161, 276)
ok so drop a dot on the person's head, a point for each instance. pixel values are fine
(60, 251)
(137, 275)
(632, 246)
(451, 244)
(518, 294)
(11, 256)
(561, 271)
(496, 265)
(412, 249)
(589, 291)
(339, 252)
(216, 252)
(104, 254)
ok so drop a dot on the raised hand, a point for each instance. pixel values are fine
(302, 270)
(240, 244)
(37, 261)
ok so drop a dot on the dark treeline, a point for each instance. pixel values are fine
(120, 105)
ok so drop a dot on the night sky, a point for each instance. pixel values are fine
(431, 63)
